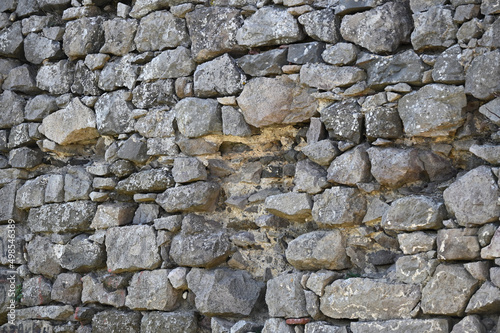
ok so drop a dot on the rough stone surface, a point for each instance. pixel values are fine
(113, 113)
(402, 325)
(457, 244)
(492, 251)
(154, 180)
(486, 65)
(448, 68)
(416, 242)
(265, 63)
(309, 177)
(82, 255)
(470, 324)
(327, 77)
(64, 217)
(56, 78)
(119, 36)
(114, 321)
(414, 213)
(233, 122)
(169, 322)
(173, 32)
(218, 77)
(285, 296)
(11, 40)
(340, 54)
(76, 43)
(67, 288)
(351, 167)
(197, 117)
(339, 206)
(321, 25)
(343, 120)
(43, 257)
(485, 300)
(188, 170)
(289, 205)
(443, 31)
(169, 64)
(203, 196)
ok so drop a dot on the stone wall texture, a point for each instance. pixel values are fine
(267, 166)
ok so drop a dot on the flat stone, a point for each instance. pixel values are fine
(489, 153)
(47, 312)
(160, 30)
(492, 110)
(114, 113)
(416, 242)
(304, 53)
(285, 296)
(82, 255)
(76, 43)
(482, 67)
(12, 40)
(64, 217)
(351, 167)
(115, 321)
(56, 78)
(343, 120)
(203, 196)
(414, 213)
(441, 35)
(322, 25)
(340, 54)
(290, 205)
(169, 322)
(265, 63)
(169, 64)
(339, 206)
(144, 7)
(309, 177)
(198, 117)
(402, 325)
(486, 300)
(327, 77)
(39, 107)
(44, 262)
(154, 180)
(489, 7)
(457, 244)
(36, 291)
(38, 48)
(218, 77)
(25, 158)
(67, 289)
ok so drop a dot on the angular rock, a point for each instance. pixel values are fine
(340, 54)
(472, 199)
(233, 122)
(173, 32)
(8, 209)
(143, 7)
(77, 184)
(327, 77)
(270, 101)
(414, 213)
(169, 64)
(62, 218)
(146, 213)
(265, 63)
(47, 312)
(366, 299)
(56, 78)
(25, 158)
(85, 82)
(486, 300)
(492, 251)
(39, 107)
(67, 289)
(36, 291)
(42, 257)
(188, 169)
(169, 322)
(114, 113)
(76, 43)
(433, 29)
(448, 291)
(13, 106)
(156, 123)
(95, 292)
(402, 325)
(119, 73)
(269, 26)
(83, 255)
(115, 321)
(38, 48)
(482, 77)
(277, 325)
(79, 124)
(379, 30)
(11, 40)
(119, 36)
(383, 122)
(154, 180)
(318, 250)
(198, 117)
(321, 25)
(415, 269)
(285, 296)
(470, 324)
(290, 205)
(151, 290)
(203, 196)
(448, 68)
(457, 244)
(21, 79)
(492, 110)
(224, 291)
(339, 206)
(415, 242)
(218, 77)
(309, 177)
(489, 7)
(351, 167)
(31, 194)
(156, 93)
(304, 53)
(223, 22)
(343, 120)
(424, 5)
(131, 248)
(133, 149)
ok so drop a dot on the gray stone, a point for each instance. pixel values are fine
(169, 322)
(169, 64)
(277, 325)
(486, 300)
(25, 158)
(351, 167)
(479, 270)
(415, 269)
(295, 206)
(492, 110)
(13, 106)
(485, 234)
(395, 167)
(21, 79)
(465, 13)
(448, 291)
(188, 169)
(340, 54)
(327, 77)
(402, 325)
(114, 113)
(203, 197)
(494, 273)
(154, 180)
(119, 73)
(433, 29)
(47, 312)
(224, 291)
(472, 199)
(379, 30)
(489, 7)
(405, 67)
(304, 53)
(350, 6)
(366, 299)
(56, 78)
(309, 177)
(79, 124)
(23, 134)
(223, 22)
(270, 101)
(470, 29)
(76, 43)
(62, 218)
(481, 78)
(469, 324)
(233, 122)
(95, 292)
(67, 289)
(218, 77)
(162, 146)
(321, 152)
(32, 193)
(146, 213)
(143, 7)
(133, 149)
(243, 326)
(220, 325)
(119, 36)
(414, 213)
(157, 123)
(323, 327)
(343, 120)
(490, 36)
(77, 184)
(39, 107)
(383, 122)
(42, 257)
(38, 48)
(265, 63)
(36, 291)
(151, 290)
(198, 117)
(8, 209)
(416, 242)
(318, 250)
(269, 26)
(85, 81)
(173, 32)
(82, 255)
(448, 68)
(131, 248)
(458, 244)
(321, 25)
(285, 296)
(156, 93)
(492, 251)
(11, 40)
(339, 206)
(115, 321)
(424, 5)
(177, 278)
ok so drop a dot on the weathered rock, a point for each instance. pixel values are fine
(95, 292)
(340, 54)
(32, 193)
(42, 257)
(119, 73)
(156, 123)
(154, 180)
(448, 291)
(448, 68)
(151, 290)
(39, 107)
(67, 288)
(394, 167)
(188, 169)
(233, 122)
(224, 291)
(12, 40)
(470, 324)
(472, 199)
(327, 77)
(290, 205)
(366, 299)
(442, 34)
(131, 248)
(114, 113)
(8, 209)
(321, 25)
(343, 120)
(56, 78)
(114, 321)
(304, 53)
(458, 244)
(223, 22)
(13, 109)
(277, 325)
(21, 79)
(218, 77)
(435, 110)
(270, 101)
(36, 291)
(169, 64)
(486, 300)
(65, 217)
(402, 325)
(133, 149)
(143, 7)
(318, 250)
(25, 158)
(119, 36)
(351, 167)
(492, 251)
(151, 94)
(76, 43)
(414, 213)
(379, 30)
(415, 242)
(203, 196)
(285, 296)
(339, 206)
(309, 177)
(468, 30)
(38, 48)
(269, 26)
(169, 322)
(82, 255)
(47, 312)
(146, 213)
(265, 63)
(415, 269)
(323, 327)
(173, 32)
(489, 7)
(77, 184)
(383, 122)
(481, 78)
(424, 5)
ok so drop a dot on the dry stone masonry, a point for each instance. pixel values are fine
(236, 166)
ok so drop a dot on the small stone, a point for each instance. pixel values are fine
(277, 325)
(76, 43)
(309, 177)
(25, 158)
(448, 68)
(233, 122)
(343, 120)
(177, 278)
(305, 53)
(187, 170)
(133, 149)
(340, 54)
(479, 270)
(169, 64)
(492, 251)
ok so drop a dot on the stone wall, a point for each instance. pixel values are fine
(250, 166)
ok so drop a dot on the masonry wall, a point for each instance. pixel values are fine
(249, 166)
